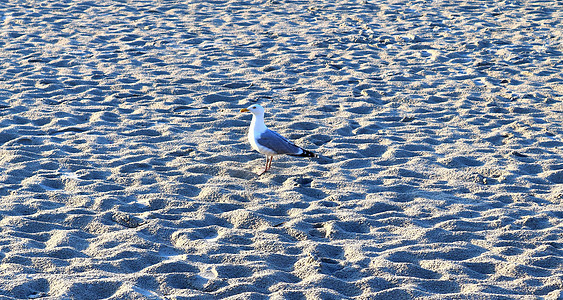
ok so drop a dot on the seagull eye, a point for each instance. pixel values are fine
(254, 107)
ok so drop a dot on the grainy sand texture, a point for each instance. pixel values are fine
(125, 172)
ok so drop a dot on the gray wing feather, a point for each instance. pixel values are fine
(272, 140)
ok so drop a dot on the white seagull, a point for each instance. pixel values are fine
(269, 142)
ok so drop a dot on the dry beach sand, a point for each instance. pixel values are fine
(125, 172)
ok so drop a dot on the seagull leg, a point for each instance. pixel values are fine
(268, 164)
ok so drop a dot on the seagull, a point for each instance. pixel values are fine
(269, 142)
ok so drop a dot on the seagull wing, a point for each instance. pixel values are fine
(277, 143)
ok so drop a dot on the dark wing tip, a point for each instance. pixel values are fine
(307, 153)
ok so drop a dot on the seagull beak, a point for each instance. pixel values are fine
(244, 110)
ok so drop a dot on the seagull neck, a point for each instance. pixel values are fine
(258, 123)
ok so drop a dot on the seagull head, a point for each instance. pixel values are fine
(255, 109)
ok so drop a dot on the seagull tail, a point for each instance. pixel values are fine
(306, 153)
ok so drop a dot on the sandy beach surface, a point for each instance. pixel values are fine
(125, 172)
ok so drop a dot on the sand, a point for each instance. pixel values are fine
(125, 172)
